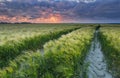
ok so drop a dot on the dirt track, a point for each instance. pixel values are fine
(97, 65)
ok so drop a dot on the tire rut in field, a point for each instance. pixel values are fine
(95, 59)
(42, 51)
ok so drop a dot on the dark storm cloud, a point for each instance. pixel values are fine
(31, 9)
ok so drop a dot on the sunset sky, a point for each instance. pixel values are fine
(60, 11)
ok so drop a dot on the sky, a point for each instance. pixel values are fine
(55, 0)
(60, 11)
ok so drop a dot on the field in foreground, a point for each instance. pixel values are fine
(54, 50)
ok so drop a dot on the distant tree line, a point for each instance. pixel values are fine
(15, 23)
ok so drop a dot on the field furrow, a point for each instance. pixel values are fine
(15, 45)
(63, 58)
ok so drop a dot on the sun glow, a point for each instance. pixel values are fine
(55, 19)
(52, 18)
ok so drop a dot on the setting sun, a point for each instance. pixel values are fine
(54, 19)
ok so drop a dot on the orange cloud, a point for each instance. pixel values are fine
(52, 18)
